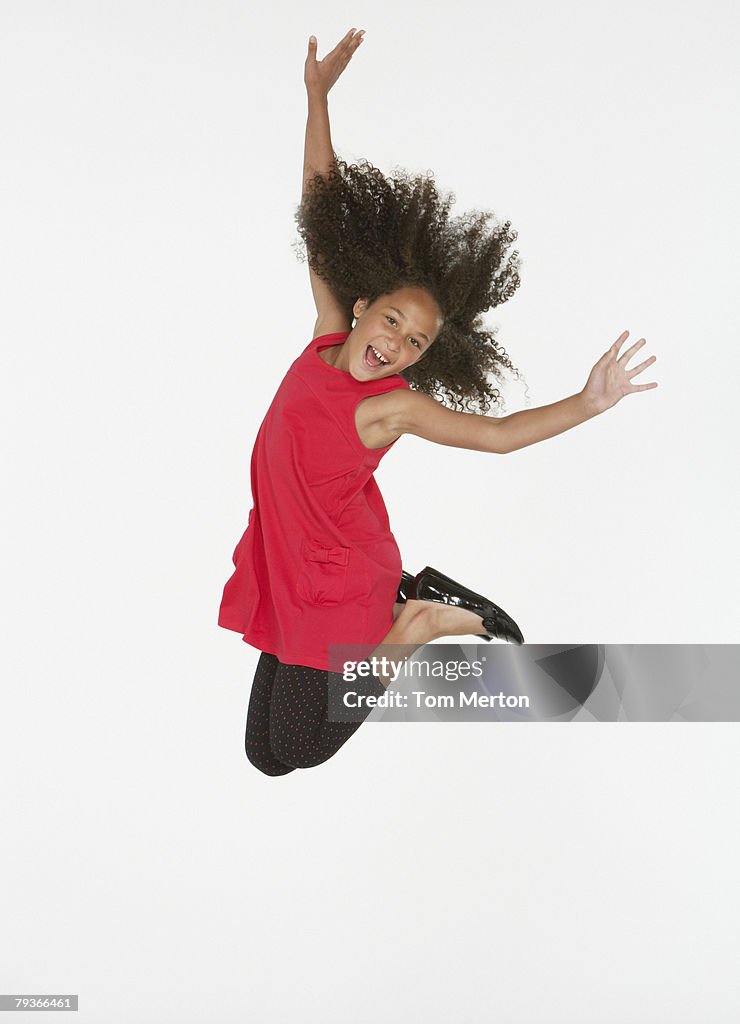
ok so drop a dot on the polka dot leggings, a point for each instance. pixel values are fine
(287, 726)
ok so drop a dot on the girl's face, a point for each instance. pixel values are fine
(391, 334)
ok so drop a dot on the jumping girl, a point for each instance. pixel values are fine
(398, 347)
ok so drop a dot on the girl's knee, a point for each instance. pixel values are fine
(301, 757)
(268, 765)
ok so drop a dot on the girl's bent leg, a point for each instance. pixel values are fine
(300, 732)
(257, 738)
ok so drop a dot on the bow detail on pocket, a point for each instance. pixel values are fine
(315, 553)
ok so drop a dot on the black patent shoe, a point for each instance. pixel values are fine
(407, 582)
(431, 585)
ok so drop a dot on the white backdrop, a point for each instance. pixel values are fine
(151, 168)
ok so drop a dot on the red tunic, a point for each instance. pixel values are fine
(317, 563)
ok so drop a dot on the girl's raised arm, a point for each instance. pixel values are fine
(410, 412)
(318, 158)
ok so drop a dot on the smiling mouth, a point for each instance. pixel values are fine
(374, 359)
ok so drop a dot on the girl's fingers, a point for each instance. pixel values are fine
(349, 38)
(347, 45)
(641, 367)
(350, 45)
(624, 359)
(614, 349)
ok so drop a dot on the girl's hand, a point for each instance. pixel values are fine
(320, 75)
(610, 379)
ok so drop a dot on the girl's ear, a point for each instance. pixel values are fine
(359, 307)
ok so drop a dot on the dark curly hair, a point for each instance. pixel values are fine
(367, 235)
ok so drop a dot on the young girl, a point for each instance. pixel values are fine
(317, 563)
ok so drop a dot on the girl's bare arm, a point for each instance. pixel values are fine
(319, 158)
(410, 412)
(419, 414)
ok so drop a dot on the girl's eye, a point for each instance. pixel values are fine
(393, 320)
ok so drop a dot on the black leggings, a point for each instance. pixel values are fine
(287, 726)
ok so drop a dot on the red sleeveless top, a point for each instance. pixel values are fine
(317, 563)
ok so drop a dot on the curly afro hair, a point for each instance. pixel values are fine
(367, 235)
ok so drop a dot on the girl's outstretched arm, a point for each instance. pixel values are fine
(318, 158)
(410, 412)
